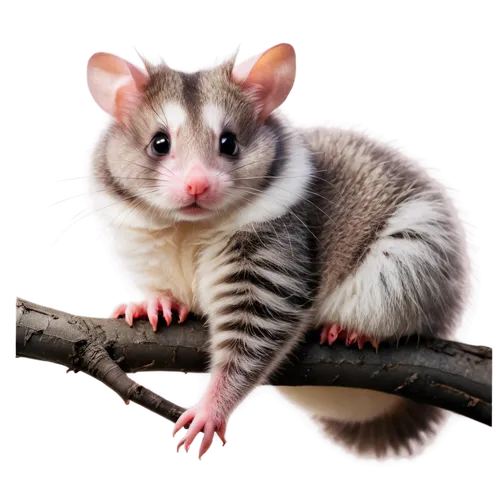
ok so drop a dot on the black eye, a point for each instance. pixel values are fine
(228, 145)
(160, 145)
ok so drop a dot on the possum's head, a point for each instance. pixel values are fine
(192, 146)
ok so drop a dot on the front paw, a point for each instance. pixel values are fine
(150, 307)
(201, 418)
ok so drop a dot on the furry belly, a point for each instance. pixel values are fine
(341, 403)
(161, 262)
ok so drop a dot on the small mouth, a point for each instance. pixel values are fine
(193, 209)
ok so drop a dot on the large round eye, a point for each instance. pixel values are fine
(228, 145)
(160, 145)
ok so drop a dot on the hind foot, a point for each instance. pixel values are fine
(150, 307)
(333, 332)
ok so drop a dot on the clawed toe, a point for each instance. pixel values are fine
(332, 332)
(149, 309)
(199, 420)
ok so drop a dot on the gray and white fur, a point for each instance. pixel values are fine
(313, 227)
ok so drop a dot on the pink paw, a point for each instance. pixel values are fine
(149, 308)
(333, 332)
(200, 418)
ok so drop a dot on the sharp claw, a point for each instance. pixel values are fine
(119, 311)
(180, 446)
(208, 437)
(166, 307)
(183, 313)
(186, 417)
(152, 313)
(149, 308)
(222, 434)
(204, 449)
(324, 335)
(199, 421)
(177, 428)
(333, 333)
(332, 338)
(154, 322)
(129, 316)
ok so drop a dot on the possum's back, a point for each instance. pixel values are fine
(376, 204)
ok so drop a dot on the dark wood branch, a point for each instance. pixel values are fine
(451, 375)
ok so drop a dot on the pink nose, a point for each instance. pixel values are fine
(197, 181)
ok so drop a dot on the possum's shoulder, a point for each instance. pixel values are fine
(351, 158)
(364, 174)
(342, 136)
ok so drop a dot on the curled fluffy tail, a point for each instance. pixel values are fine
(367, 422)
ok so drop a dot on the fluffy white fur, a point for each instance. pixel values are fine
(175, 115)
(291, 188)
(360, 301)
(213, 116)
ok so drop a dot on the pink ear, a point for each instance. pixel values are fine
(115, 84)
(268, 77)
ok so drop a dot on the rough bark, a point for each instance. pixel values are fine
(450, 375)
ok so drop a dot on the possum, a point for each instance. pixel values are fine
(268, 231)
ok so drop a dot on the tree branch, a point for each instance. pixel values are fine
(451, 375)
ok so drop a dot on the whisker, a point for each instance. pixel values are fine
(126, 198)
(64, 200)
(289, 239)
(240, 166)
(69, 179)
(159, 163)
(226, 210)
(155, 208)
(307, 200)
(131, 178)
(278, 176)
(312, 203)
(72, 223)
(287, 177)
(163, 121)
(288, 208)
(293, 213)
(248, 164)
(285, 225)
(134, 207)
(149, 168)
(110, 223)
